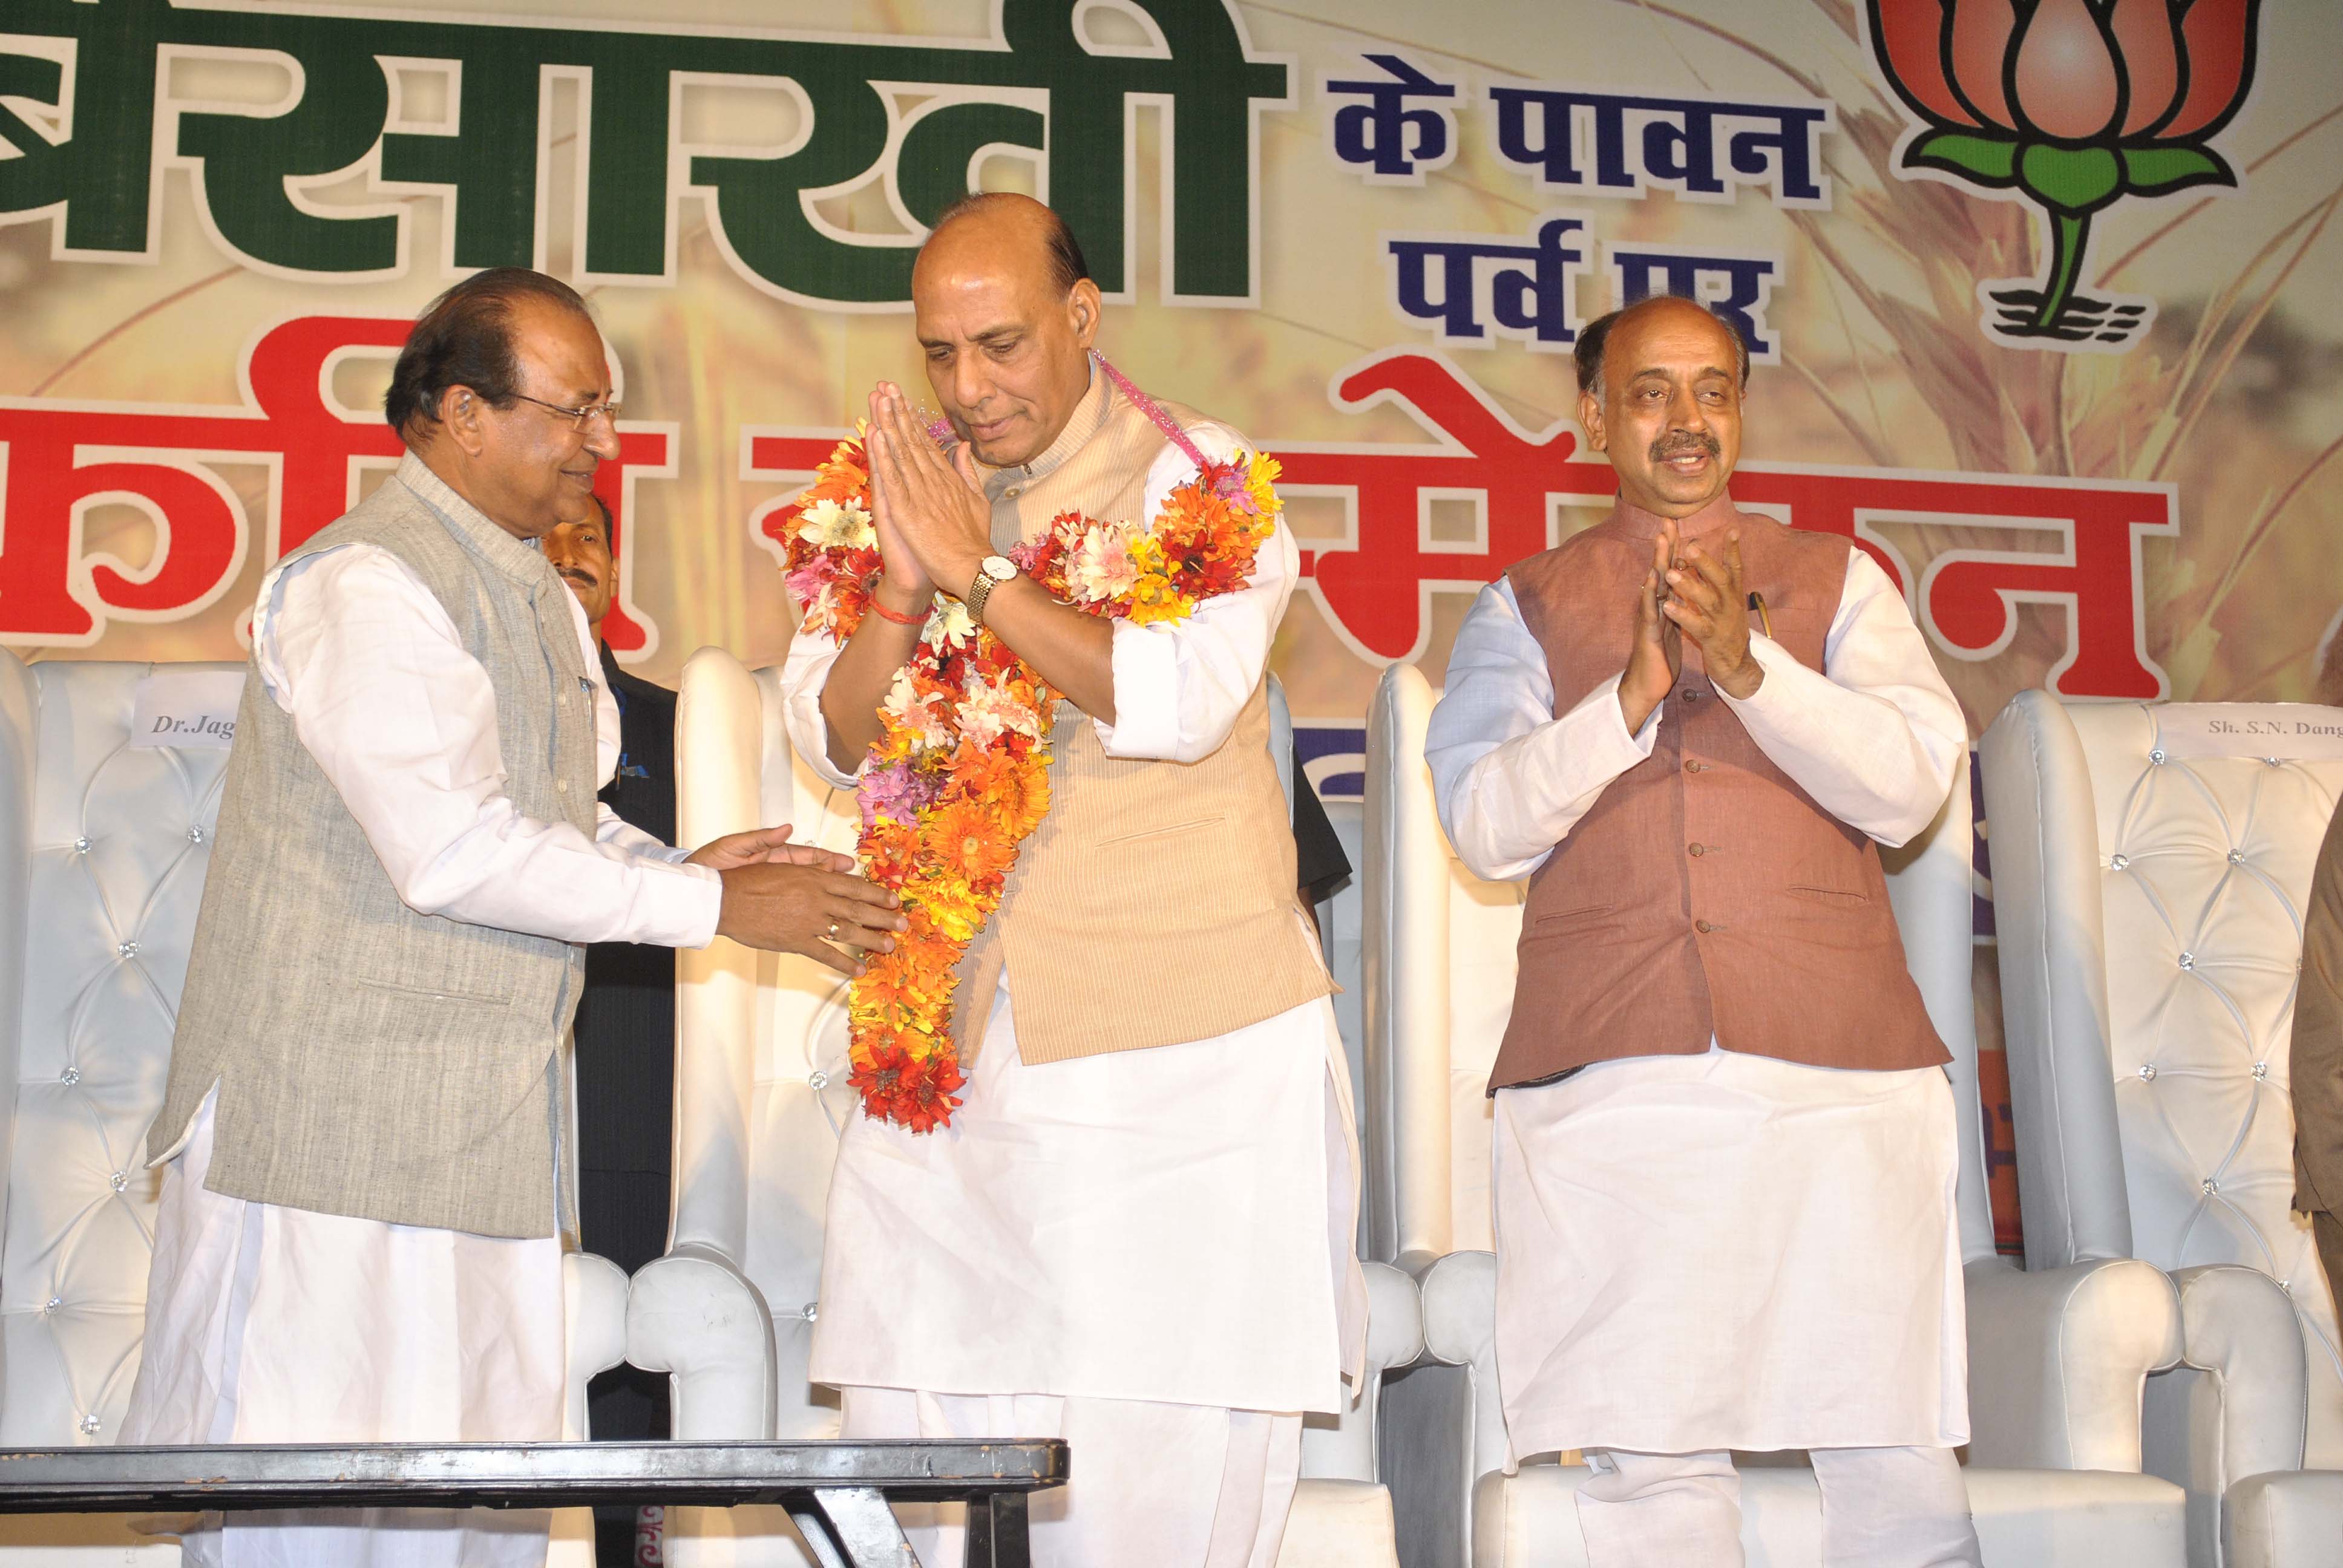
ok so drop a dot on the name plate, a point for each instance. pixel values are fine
(192, 709)
(2289, 731)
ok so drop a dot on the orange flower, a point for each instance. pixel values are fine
(973, 772)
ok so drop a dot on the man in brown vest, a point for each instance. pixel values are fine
(1136, 1230)
(1724, 1144)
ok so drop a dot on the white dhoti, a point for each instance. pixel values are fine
(1148, 1253)
(269, 1324)
(1700, 1254)
(1720, 1250)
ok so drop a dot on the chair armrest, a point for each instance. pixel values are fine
(1342, 1447)
(1460, 1329)
(696, 1317)
(2280, 1520)
(2058, 1362)
(2240, 1327)
(594, 1307)
(1443, 1427)
(1394, 1319)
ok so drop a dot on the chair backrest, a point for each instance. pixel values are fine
(1440, 965)
(761, 1092)
(104, 844)
(2149, 896)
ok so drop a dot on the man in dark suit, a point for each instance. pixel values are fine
(626, 1026)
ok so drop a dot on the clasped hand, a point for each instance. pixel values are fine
(934, 525)
(797, 899)
(1688, 592)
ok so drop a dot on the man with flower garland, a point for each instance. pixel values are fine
(1134, 1231)
(1725, 1147)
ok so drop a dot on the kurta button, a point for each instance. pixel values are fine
(89, 1424)
(1697, 850)
(1702, 927)
(1689, 695)
(1695, 767)
(561, 786)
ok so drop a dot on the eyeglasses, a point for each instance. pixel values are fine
(576, 417)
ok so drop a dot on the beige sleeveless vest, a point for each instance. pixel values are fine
(371, 1060)
(1155, 904)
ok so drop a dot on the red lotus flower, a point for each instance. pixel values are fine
(2074, 102)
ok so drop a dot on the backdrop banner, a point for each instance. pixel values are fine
(2044, 319)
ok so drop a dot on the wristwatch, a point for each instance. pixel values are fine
(994, 571)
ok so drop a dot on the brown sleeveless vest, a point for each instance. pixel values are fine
(1155, 904)
(1704, 894)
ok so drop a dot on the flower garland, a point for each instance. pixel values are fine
(959, 776)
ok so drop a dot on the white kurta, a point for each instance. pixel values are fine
(267, 1323)
(1717, 1251)
(1171, 1225)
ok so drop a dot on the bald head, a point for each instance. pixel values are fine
(1005, 313)
(1594, 337)
(1660, 393)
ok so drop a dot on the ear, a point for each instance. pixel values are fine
(1590, 419)
(463, 415)
(1085, 307)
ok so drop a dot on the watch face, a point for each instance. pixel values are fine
(999, 568)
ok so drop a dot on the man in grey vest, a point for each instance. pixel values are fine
(367, 1172)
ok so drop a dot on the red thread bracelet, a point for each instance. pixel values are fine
(885, 614)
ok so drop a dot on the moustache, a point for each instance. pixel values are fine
(1667, 447)
(588, 578)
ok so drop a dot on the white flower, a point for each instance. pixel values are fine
(948, 623)
(1100, 566)
(921, 715)
(828, 525)
(987, 711)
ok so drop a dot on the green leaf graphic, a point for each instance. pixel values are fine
(1988, 160)
(2070, 179)
(2151, 171)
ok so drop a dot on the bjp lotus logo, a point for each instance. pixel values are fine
(2072, 104)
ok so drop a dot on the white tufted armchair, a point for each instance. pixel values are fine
(103, 847)
(761, 1097)
(2148, 892)
(2057, 1357)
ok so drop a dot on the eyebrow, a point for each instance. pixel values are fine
(989, 336)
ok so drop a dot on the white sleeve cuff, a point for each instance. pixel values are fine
(1146, 696)
(681, 904)
(1611, 750)
(1783, 672)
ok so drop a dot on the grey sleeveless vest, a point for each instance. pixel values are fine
(373, 1061)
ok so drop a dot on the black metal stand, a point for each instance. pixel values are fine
(839, 1493)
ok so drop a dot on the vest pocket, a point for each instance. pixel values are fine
(1832, 898)
(1585, 917)
(1167, 831)
(439, 994)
